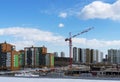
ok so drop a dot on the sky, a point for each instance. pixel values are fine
(24, 23)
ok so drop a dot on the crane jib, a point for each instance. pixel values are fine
(70, 42)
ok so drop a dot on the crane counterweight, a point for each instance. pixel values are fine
(66, 39)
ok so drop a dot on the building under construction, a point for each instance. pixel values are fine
(61, 61)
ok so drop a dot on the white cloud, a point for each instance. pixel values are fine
(23, 37)
(94, 43)
(63, 15)
(29, 36)
(23, 43)
(99, 9)
(61, 25)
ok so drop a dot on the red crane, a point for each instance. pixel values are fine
(70, 42)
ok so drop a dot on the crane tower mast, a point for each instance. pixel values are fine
(70, 42)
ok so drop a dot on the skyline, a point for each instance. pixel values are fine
(26, 22)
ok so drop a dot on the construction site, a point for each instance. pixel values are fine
(38, 62)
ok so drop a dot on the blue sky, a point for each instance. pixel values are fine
(48, 22)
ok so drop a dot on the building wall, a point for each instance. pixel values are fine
(94, 57)
(15, 65)
(87, 55)
(62, 54)
(114, 56)
(80, 56)
(75, 55)
(34, 56)
(55, 54)
(101, 56)
(118, 57)
(84, 55)
(38, 57)
(91, 55)
(31, 57)
(5, 47)
(9, 57)
(61, 61)
(22, 58)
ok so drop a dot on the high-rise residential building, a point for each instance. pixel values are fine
(55, 54)
(118, 57)
(97, 53)
(87, 55)
(101, 57)
(62, 54)
(106, 57)
(91, 55)
(9, 57)
(34, 56)
(94, 57)
(75, 55)
(80, 55)
(83, 56)
(114, 56)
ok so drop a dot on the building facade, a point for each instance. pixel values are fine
(75, 55)
(87, 55)
(55, 54)
(114, 56)
(62, 54)
(9, 57)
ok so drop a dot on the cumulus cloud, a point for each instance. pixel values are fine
(63, 15)
(23, 37)
(99, 9)
(61, 25)
(94, 43)
(29, 36)
(23, 43)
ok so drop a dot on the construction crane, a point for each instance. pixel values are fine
(70, 42)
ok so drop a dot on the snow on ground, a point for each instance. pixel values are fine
(12, 79)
